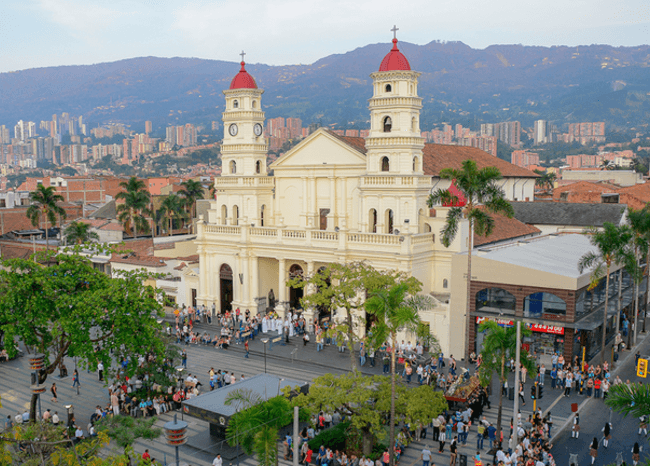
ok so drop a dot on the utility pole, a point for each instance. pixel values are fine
(296, 436)
(515, 418)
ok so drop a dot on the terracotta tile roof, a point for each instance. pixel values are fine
(192, 258)
(358, 144)
(635, 197)
(505, 228)
(112, 227)
(181, 266)
(439, 156)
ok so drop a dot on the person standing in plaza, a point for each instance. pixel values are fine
(425, 456)
(593, 450)
(247, 350)
(453, 447)
(53, 391)
(442, 437)
(575, 430)
(184, 359)
(217, 461)
(635, 453)
(100, 371)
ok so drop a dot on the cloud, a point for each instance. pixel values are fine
(83, 19)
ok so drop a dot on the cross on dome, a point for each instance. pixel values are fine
(242, 54)
(394, 30)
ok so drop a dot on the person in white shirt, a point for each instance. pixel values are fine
(55, 418)
(217, 461)
(78, 433)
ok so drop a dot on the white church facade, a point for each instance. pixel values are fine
(335, 199)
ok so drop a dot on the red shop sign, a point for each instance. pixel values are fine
(541, 328)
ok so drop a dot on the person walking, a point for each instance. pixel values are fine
(246, 348)
(184, 359)
(607, 431)
(575, 430)
(643, 425)
(636, 450)
(54, 397)
(593, 450)
(100, 371)
(442, 436)
(75, 379)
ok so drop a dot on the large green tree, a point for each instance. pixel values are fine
(133, 210)
(343, 287)
(499, 344)
(69, 308)
(395, 311)
(633, 399)
(170, 210)
(79, 233)
(612, 247)
(192, 190)
(366, 401)
(45, 203)
(480, 197)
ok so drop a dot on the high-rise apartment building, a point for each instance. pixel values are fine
(148, 127)
(523, 158)
(541, 132)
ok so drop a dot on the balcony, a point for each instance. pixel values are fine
(384, 181)
(243, 181)
(321, 240)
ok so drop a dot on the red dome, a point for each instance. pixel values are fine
(243, 80)
(395, 60)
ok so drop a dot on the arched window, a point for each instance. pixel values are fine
(262, 215)
(389, 88)
(445, 283)
(295, 271)
(254, 104)
(224, 214)
(427, 229)
(385, 164)
(416, 164)
(235, 215)
(235, 104)
(389, 221)
(388, 124)
(495, 300)
(233, 167)
(372, 221)
(538, 304)
(258, 167)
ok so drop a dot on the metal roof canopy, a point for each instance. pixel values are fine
(211, 406)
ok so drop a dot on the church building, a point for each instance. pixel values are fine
(335, 199)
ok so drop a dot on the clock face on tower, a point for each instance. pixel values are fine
(232, 129)
(257, 129)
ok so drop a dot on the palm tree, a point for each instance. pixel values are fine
(192, 190)
(135, 207)
(394, 311)
(171, 209)
(79, 233)
(499, 344)
(639, 221)
(545, 180)
(44, 202)
(612, 244)
(481, 196)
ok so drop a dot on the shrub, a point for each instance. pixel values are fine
(333, 438)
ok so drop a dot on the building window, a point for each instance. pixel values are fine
(537, 304)
(233, 167)
(389, 88)
(235, 104)
(445, 284)
(385, 164)
(224, 214)
(414, 125)
(495, 300)
(416, 164)
(372, 221)
(262, 215)
(258, 167)
(235, 215)
(388, 124)
(254, 103)
(564, 196)
(389, 221)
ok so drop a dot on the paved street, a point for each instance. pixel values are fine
(304, 363)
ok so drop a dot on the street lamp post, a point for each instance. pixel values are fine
(265, 341)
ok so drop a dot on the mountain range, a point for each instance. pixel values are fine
(458, 84)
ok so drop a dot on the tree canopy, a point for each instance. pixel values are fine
(68, 308)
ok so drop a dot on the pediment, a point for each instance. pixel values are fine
(319, 149)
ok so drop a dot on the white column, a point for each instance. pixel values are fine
(313, 208)
(255, 281)
(333, 199)
(246, 295)
(309, 312)
(282, 287)
(305, 196)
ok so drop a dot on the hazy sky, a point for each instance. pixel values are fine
(37, 33)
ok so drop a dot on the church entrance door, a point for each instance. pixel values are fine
(295, 294)
(225, 278)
